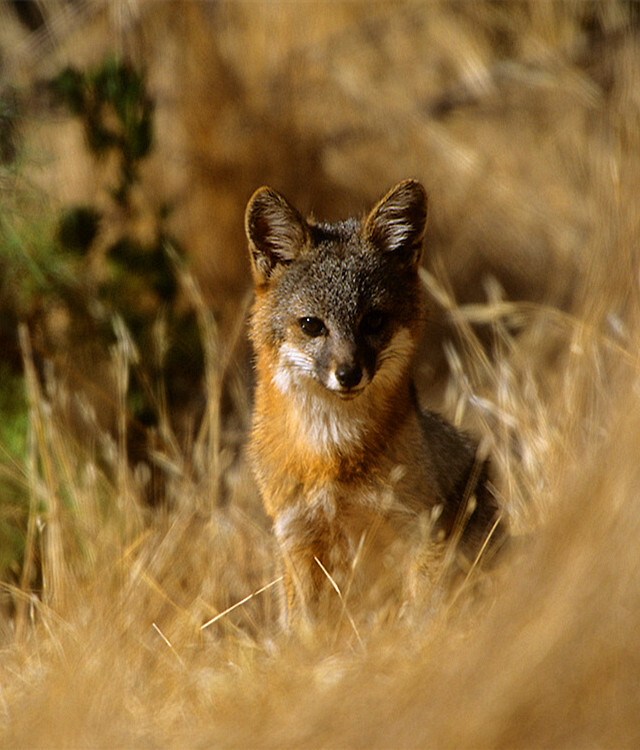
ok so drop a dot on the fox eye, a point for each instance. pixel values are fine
(312, 326)
(373, 322)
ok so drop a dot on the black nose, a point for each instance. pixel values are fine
(349, 375)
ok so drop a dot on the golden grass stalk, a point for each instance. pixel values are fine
(49, 521)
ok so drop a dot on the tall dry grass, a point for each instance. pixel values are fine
(523, 121)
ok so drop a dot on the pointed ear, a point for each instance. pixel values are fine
(275, 230)
(397, 224)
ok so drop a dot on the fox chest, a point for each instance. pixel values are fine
(319, 446)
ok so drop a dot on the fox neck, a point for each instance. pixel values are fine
(315, 424)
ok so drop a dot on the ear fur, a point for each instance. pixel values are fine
(275, 230)
(398, 222)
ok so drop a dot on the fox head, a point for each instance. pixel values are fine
(338, 306)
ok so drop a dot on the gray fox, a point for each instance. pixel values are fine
(348, 465)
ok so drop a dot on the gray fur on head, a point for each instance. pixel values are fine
(278, 234)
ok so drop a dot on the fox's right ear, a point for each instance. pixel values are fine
(397, 223)
(275, 230)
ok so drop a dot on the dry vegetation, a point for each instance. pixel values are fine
(523, 121)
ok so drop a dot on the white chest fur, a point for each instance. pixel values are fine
(321, 419)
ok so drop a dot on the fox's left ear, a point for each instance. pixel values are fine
(398, 222)
(275, 230)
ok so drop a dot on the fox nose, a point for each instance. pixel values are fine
(348, 375)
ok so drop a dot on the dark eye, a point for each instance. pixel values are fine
(373, 322)
(312, 326)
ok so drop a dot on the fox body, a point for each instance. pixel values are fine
(348, 466)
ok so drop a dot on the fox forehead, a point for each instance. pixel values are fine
(340, 274)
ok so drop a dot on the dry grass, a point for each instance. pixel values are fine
(527, 133)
